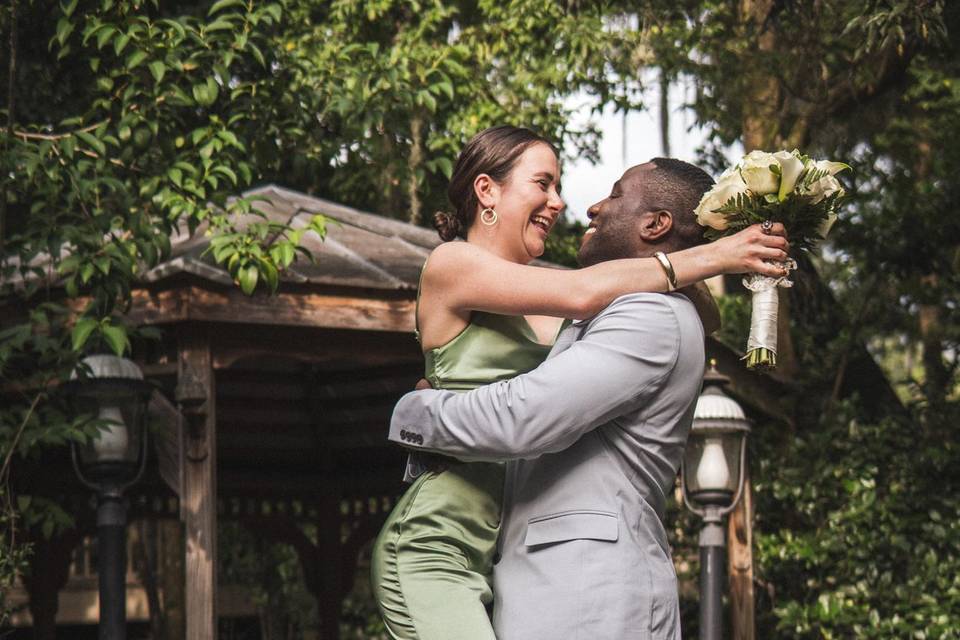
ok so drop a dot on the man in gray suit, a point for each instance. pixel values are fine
(594, 437)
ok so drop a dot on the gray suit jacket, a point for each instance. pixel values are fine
(594, 437)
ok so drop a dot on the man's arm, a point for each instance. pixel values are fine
(618, 363)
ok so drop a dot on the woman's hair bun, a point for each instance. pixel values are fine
(446, 225)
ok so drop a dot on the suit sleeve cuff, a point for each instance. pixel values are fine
(410, 417)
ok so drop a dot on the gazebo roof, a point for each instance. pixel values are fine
(360, 250)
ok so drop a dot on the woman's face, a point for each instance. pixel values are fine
(528, 204)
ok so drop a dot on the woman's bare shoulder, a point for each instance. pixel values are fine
(454, 258)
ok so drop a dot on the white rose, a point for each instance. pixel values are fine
(729, 186)
(755, 171)
(822, 188)
(790, 169)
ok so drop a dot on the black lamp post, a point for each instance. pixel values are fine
(713, 470)
(115, 392)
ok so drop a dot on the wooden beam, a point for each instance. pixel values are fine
(320, 377)
(308, 309)
(365, 436)
(260, 481)
(740, 565)
(196, 394)
(322, 348)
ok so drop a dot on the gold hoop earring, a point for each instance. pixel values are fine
(489, 217)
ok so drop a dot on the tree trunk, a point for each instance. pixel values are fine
(414, 161)
(387, 206)
(761, 107)
(936, 378)
(664, 114)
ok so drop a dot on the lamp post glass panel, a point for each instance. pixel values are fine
(713, 476)
(113, 390)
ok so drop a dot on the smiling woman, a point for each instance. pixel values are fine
(484, 315)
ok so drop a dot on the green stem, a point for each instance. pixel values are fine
(761, 359)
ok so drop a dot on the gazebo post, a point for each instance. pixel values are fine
(740, 564)
(196, 395)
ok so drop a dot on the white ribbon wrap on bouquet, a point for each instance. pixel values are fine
(765, 302)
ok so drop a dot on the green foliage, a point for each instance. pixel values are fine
(14, 556)
(398, 86)
(802, 219)
(132, 120)
(811, 62)
(128, 122)
(854, 517)
(858, 528)
(273, 574)
(734, 320)
(361, 619)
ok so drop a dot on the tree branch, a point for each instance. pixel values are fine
(16, 438)
(26, 135)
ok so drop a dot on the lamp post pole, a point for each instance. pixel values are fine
(712, 482)
(712, 544)
(112, 563)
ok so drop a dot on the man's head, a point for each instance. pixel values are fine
(650, 209)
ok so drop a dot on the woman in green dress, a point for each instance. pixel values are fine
(484, 315)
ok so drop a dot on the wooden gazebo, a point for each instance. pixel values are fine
(288, 395)
(273, 409)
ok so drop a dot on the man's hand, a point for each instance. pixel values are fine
(706, 306)
(425, 384)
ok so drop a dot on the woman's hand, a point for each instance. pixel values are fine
(754, 251)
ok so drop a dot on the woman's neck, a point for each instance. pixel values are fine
(489, 242)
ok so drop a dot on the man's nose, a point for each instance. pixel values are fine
(593, 210)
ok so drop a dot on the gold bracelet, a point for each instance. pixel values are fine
(667, 269)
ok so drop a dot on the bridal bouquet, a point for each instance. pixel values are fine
(790, 188)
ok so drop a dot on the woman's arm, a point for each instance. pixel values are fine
(463, 277)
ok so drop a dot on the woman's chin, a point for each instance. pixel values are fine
(535, 248)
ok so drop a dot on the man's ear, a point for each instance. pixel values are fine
(487, 190)
(654, 225)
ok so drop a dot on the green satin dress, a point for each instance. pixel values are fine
(433, 558)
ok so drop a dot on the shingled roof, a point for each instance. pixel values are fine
(361, 249)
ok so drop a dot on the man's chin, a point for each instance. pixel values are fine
(583, 253)
(597, 248)
(586, 256)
